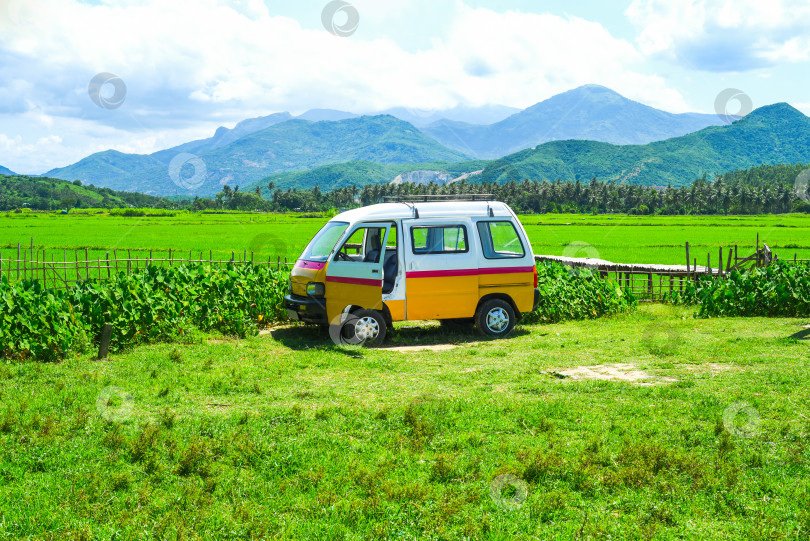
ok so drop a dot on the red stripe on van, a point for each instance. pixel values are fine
(354, 281)
(467, 272)
(303, 264)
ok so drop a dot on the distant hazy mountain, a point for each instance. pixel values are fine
(590, 112)
(277, 143)
(774, 134)
(223, 136)
(285, 146)
(316, 115)
(487, 114)
(6, 171)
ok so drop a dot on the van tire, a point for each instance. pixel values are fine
(369, 327)
(495, 318)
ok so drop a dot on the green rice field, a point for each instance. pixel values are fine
(618, 238)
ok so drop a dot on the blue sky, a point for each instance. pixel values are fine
(190, 66)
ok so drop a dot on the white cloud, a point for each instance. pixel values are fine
(724, 35)
(192, 64)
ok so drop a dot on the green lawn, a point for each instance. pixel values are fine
(287, 436)
(620, 238)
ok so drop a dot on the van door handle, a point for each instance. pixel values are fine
(375, 271)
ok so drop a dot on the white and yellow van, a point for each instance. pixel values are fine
(451, 261)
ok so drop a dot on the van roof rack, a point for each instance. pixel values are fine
(442, 198)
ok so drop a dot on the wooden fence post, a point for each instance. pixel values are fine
(687, 257)
(104, 345)
(18, 261)
(720, 262)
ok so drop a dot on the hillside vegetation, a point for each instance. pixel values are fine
(286, 146)
(776, 134)
(765, 189)
(42, 193)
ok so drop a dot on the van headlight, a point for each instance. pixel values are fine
(316, 289)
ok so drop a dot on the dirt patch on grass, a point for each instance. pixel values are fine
(711, 367)
(611, 372)
(414, 349)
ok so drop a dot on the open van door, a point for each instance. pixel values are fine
(354, 276)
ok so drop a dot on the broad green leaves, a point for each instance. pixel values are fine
(156, 304)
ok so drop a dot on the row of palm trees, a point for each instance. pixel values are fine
(702, 197)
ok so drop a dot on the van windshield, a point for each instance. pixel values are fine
(322, 244)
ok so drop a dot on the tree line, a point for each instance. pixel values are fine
(760, 190)
(773, 189)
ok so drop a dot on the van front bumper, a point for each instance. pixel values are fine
(306, 309)
(536, 299)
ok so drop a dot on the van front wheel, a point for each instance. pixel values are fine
(495, 318)
(369, 327)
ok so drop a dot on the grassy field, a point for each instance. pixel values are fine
(619, 238)
(286, 436)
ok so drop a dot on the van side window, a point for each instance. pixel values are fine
(363, 246)
(444, 239)
(500, 240)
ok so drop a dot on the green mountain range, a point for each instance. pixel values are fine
(280, 142)
(590, 112)
(285, 146)
(773, 134)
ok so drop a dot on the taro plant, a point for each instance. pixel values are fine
(155, 304)
(778, 290)
(570, 294)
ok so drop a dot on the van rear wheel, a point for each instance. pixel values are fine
(369, 327)
(495, 318)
